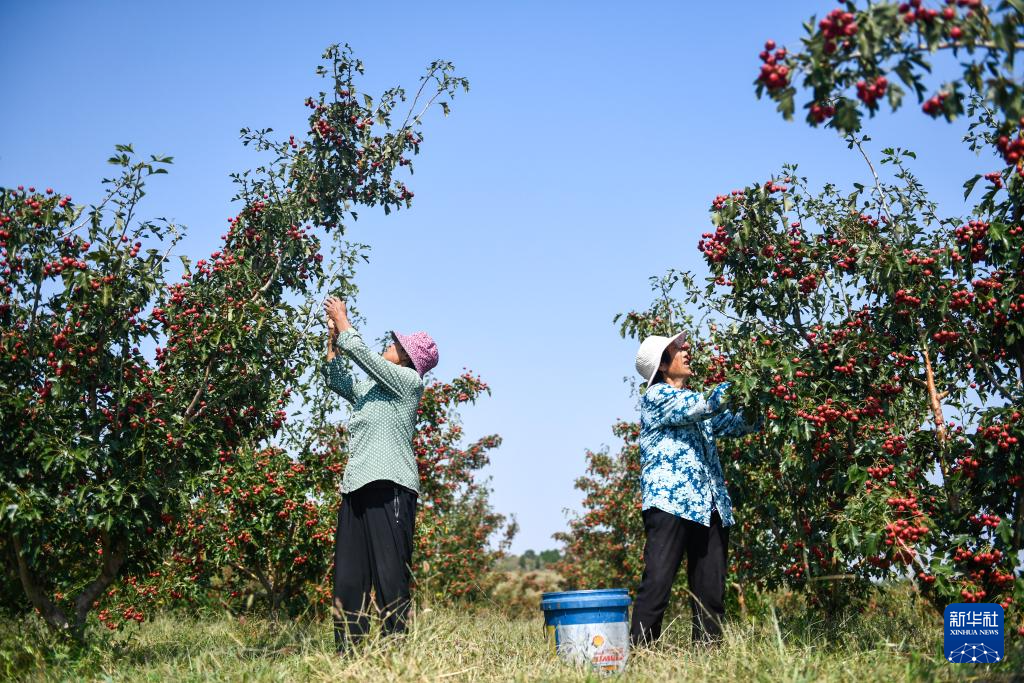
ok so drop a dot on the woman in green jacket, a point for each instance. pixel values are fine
(374, 538)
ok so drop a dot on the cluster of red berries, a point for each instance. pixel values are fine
(721, 200)
(715, 245)
(794, 570)
(808, 283)
(132, 614)
(998, 434)
(838, 25)
(823, 414)
(996, 178)
(820, 112)
(774, 74)
(933, 105)
(894, 445)
(912, 12)
(847, 368)
(970, 596)
(986, 520)
(968, 466)
(987, 558)
(782, 390)
(962, 298)
(1002, 580)
(880, 472)
(869, 93)
(65, 263)
(908, 504)
(946, 336)
(902, 531)
(1012, 150)
(971, 233)
(905, 297)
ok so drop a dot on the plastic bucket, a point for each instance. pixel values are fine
(589, 628)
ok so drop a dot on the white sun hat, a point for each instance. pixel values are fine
(648, 358)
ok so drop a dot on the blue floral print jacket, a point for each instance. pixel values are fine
(680, 470)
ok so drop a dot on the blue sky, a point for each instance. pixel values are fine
(583, 161)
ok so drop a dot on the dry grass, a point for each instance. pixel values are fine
(449, 643)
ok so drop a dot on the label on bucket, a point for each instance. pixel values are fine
(604, 647)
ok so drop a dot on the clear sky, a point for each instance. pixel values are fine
(583, 161)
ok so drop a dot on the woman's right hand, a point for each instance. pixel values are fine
(337, 313)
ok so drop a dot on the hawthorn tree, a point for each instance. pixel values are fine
(963, 305)
(455, 524)
(103, 445)
(260, 534)
(859, 322)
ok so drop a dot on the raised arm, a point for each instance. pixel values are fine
(395, 379)
(339, 377)
(398, 380)
(340, 380)
(733, 423)
(676, 408)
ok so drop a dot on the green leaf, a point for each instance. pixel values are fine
(969, 185)
(1005, 531)
(895, 96)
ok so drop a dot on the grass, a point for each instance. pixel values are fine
(898, 642)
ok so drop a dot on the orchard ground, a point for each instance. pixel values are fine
(895, 637)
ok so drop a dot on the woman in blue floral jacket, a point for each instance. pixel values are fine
(686, 507)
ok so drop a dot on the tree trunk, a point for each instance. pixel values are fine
(114, 554)
(933, 398)
(52, 615)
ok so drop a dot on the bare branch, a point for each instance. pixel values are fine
(878, 183)
(191, 410)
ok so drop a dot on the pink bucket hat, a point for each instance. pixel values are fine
(420, 348)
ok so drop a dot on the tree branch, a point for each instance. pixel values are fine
(114, 555)
(53, 615)
(940, 425)
(978, 362)
(923, 384)
(191, 410)
(878, 183)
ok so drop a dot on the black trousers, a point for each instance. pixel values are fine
(668, 538)
(373, 549)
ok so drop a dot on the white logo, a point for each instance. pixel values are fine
(968, 653)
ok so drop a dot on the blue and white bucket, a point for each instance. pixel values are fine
(589, 628)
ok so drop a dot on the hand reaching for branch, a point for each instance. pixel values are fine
(337, 313)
